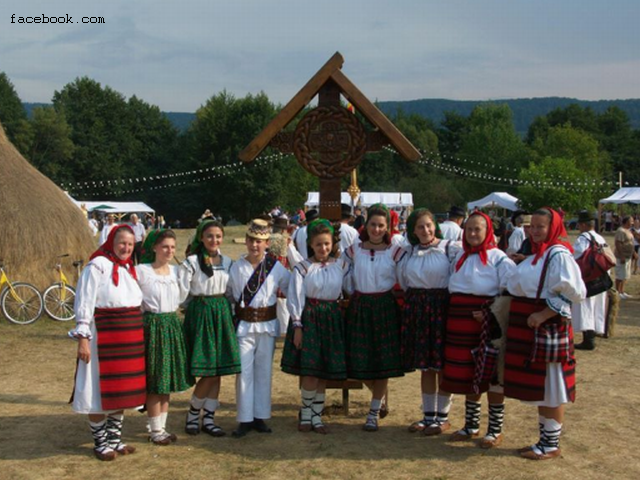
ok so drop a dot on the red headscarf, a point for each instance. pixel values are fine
(487, 244)
(395, 222)
(106, 250)
(557, 236)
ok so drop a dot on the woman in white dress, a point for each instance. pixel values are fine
(108, 323)
(539, 358)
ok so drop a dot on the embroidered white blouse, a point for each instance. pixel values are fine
(428, 267)
(562, 286)
(266, 295)
(193, 281)
(314, 280)
(474, 278)
(371, 271)
(160, 293)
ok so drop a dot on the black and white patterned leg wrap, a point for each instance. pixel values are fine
(100, 437)
(496, 420)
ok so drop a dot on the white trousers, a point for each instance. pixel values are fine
(590, 313)
(253, 385)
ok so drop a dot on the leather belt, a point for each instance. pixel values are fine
(255, 315)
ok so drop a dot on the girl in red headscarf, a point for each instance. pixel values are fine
(539, 358)
(108, 322)
(480, 274)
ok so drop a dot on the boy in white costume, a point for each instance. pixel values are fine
(253, 286)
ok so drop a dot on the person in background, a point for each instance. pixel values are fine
(624, 255)
(300, 235)
(139, 233)
(452, 227)
(106, 228)
(348, 234)
(358, 223)
(517, 236)
(588, 316)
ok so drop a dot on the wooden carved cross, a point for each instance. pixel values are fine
(330, 141)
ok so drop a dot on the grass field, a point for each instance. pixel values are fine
(41, 438)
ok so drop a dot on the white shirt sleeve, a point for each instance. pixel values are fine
(564, 283)
(296, 294)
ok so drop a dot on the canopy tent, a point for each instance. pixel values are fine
(495, 199)
(115, 207)
(366, 199)
(624, 195)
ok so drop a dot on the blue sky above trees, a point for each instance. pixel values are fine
(177, 54)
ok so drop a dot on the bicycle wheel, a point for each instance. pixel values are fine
(58, 302)
(22, 304)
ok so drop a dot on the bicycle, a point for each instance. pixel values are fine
(20, 302)
(59, 297)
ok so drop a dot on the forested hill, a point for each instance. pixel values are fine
(524, 109)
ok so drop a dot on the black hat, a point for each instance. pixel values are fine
(456, 212)
(585, 216)
(280, 224)
(311, 215)
(345, 210)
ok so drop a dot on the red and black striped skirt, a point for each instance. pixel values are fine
(524, 379)
(462, 335)
(121, 356)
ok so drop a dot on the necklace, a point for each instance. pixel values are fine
(375, 243)
(429, 243)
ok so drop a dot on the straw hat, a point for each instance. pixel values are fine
(259, 229)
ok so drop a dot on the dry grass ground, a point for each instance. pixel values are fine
(41, 438)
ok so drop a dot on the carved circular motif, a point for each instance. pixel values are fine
(329, 142)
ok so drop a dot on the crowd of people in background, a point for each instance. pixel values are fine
(477, 304)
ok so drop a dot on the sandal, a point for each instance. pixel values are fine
(192, 427)
(321, 428)
(371, 425)
(213, 430)
(419, 426)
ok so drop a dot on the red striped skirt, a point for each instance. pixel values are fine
(462, 335)
(121, 356)
(524, 379)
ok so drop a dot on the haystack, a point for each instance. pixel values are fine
(37, 222)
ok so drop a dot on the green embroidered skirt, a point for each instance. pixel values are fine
(322, 354)
(166, 354)
(372, 335)
(212, 345)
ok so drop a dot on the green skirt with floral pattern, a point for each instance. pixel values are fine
(166, 354)
(212, 345)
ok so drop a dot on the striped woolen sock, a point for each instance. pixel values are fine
(316, 409)
(308, 397)
(100, 437)
(210, 407)
(471, 417)
(550, 438)
(496, 420)
(374, 409)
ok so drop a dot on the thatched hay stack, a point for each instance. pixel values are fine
(37, 222)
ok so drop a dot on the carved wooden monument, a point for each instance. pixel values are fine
(330, 141)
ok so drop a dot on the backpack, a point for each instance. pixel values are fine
(595, 263)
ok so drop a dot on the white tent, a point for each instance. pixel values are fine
(495, 199)
(366, 199)
(624, 195)
(114, 207)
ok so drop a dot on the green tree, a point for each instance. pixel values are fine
(13, 116)
(52, 149)
(564, 141)
(556, 182)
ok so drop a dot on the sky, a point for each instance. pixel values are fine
(177, 54)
